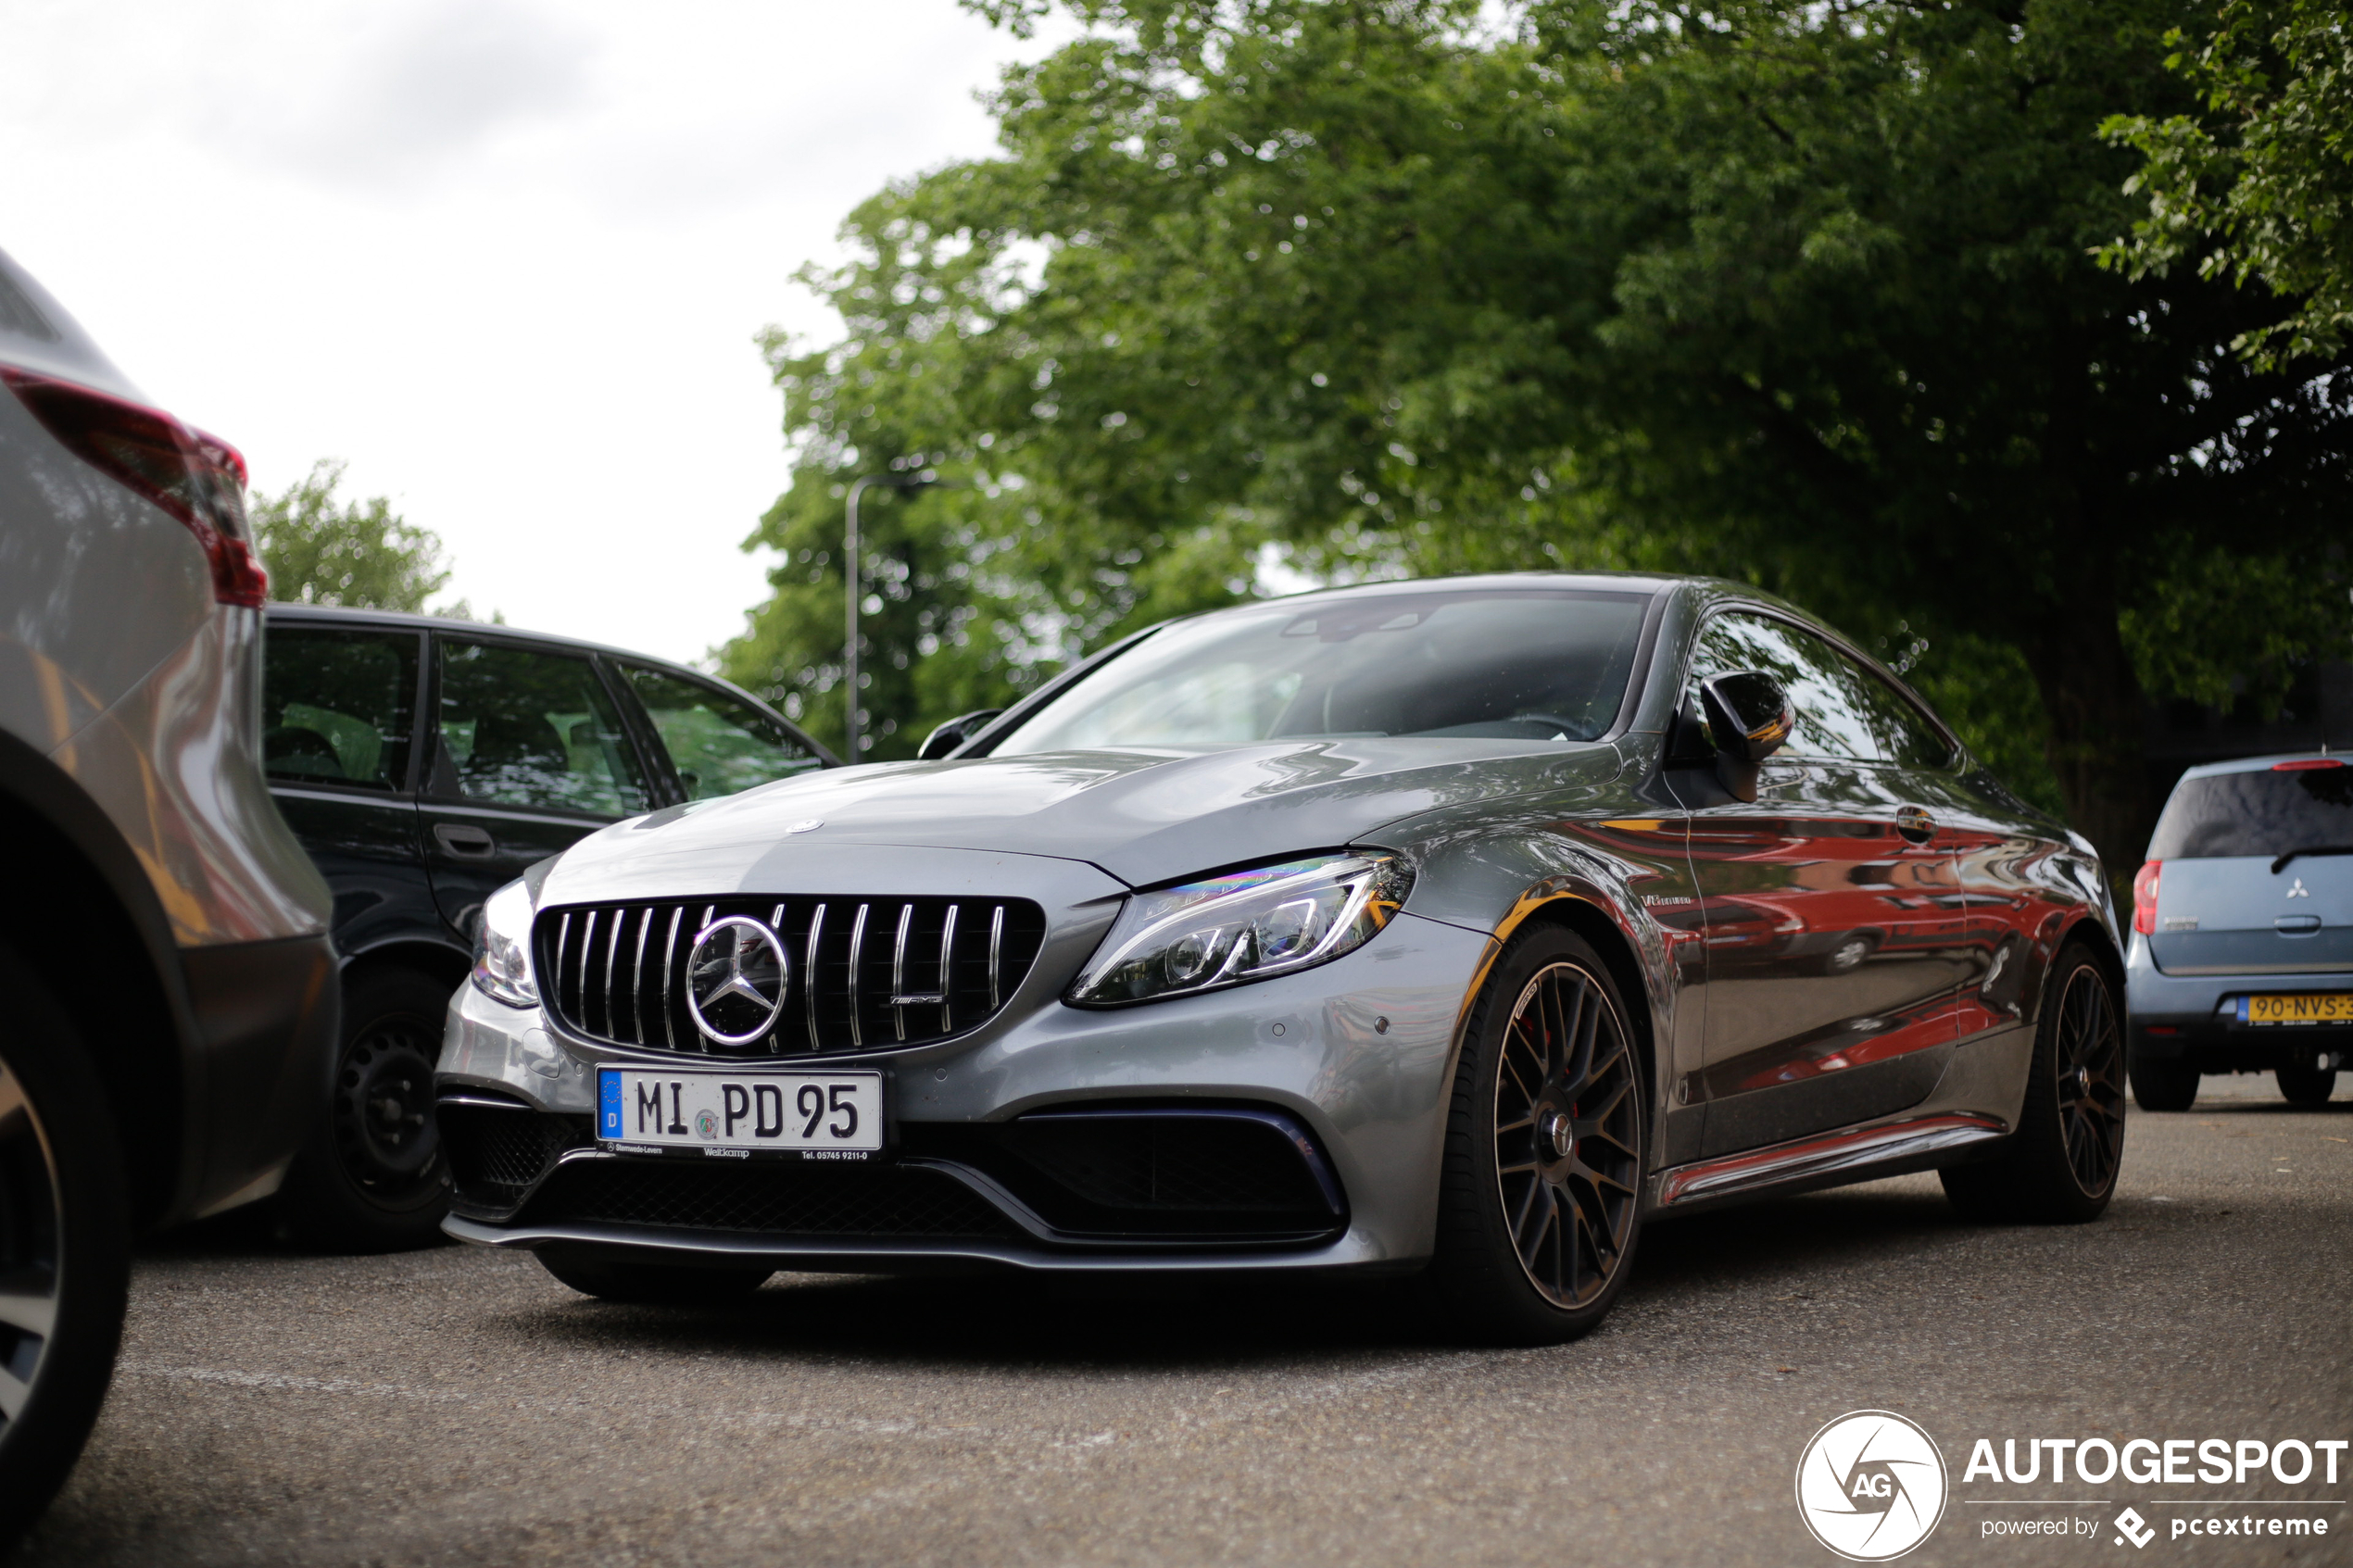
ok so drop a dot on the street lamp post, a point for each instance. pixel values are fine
(855, 579)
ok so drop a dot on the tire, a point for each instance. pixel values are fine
(2164, 1085)
(1538, 1204)
(65, 1249)
(2060, 1166)
(664, 1285)
(2307, 1085)
(1848, 956)
(372, 1177)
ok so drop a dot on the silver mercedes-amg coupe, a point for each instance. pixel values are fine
(1454, 927)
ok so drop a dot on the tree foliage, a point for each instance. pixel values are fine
(1798, 294)
(2258, 183)
(325, 551)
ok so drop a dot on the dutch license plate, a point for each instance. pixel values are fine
(2311, 1007)
(734, 1115)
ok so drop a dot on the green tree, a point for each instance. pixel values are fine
(1794, 292)
(320, 550)
(2258, 184)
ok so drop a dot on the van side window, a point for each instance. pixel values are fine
(718, 743)
(520, 727)
(338, 708)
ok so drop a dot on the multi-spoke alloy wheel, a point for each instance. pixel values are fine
(2090, 1080)
(1539, 1200)
(1566, 1135)
(2060, 1166)
(65, 1245)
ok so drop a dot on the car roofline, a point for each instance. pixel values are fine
(345, 615)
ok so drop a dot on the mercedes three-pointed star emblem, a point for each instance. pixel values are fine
(736, 977)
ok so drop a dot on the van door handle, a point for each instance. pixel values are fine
(1915, 823)
(475, 843)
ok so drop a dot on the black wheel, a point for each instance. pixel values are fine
(2060, 1166)
(372, 1177)
(2164, 1085)
(65, 1249)
(665, 1285)
(1539, 1200)
(2308, 1085)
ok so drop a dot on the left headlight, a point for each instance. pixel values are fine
(1242, 926)
(502, 949)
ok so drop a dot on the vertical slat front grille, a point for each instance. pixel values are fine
(862, 973)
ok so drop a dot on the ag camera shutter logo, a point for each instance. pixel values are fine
(1871, 1485)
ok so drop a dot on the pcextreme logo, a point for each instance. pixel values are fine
(1870, 1486)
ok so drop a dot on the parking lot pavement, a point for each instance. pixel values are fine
(455, 1406)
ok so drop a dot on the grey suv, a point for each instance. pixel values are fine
(163, 947)
(2242, 953)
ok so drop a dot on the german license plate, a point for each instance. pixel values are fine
(2311, 1007)
(735, 1115)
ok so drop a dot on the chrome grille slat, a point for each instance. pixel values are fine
(947, 976)
(809, 977)
(638, 978)
(899, 972)
(996, 955)
(857, 949)
(669, 968)
(599, 966)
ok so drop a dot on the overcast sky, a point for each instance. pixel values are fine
(505, 257)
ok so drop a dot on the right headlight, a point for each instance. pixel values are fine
(502, 948)
(1242, 926)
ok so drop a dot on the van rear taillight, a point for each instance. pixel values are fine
(2145, 897)
(2306, 764)
(198, 479)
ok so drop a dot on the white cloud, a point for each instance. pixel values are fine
(507, 259)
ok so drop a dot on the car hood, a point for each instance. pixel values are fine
(1143, 816)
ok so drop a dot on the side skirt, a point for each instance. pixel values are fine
(1857, 1154)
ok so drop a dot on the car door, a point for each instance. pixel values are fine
(529, 754)
(338, 719)
(1828, 999)
(713, 742)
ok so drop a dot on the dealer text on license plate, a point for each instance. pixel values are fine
(2322, 1007)
(815, 1115)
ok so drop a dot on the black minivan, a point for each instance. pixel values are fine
(425, 763)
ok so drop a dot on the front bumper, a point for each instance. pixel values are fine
(1354, 1055)
(2194, 1018)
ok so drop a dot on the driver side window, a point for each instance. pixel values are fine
(1831, 713)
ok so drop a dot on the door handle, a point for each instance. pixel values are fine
(473, 844)
(1915, 823)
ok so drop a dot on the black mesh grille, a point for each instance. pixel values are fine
(1199, 1163)
(779, 1199)
(864, 973)
(498, 1151)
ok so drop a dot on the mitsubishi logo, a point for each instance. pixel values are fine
(736, 977)
(2299, 890)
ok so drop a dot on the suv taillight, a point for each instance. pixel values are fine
(198, 479)
(2145, 897)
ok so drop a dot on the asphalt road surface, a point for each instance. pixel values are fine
(456, 1407)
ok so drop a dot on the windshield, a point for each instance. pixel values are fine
(2269, 811)
(1522, 664)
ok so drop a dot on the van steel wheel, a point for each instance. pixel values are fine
(1540, 1210)
(65, 1250)
(2060, 1166)
(372, 1177)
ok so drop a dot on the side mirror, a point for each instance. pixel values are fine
(954, 733)
(1749, 717)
